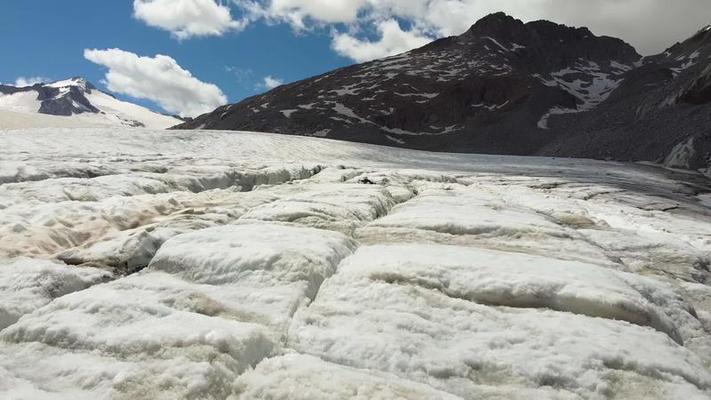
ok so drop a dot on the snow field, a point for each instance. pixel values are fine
(140, 264)
(27, 284)
(213, 323)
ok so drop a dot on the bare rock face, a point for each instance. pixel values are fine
(503, 87)
(68, 102)
(699, 92)
(694, 153)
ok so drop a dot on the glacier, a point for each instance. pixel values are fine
(150, 264)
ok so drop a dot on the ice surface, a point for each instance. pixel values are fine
(523, 281)
(422, 332)
(466, 212)
(336, 206)
(294, 377)
(28, 284)
(121, 341)
(206, 308)
(234, 265)
(256, 256)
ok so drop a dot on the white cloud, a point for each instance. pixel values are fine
(159, 79)
(187, 18)
(324, 11)
(270, 82)
(631, 20)
(393, 41)
(29, 81)
(353, 19)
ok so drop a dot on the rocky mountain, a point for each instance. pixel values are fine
(504, 87)
(660, 112)
(79, 102)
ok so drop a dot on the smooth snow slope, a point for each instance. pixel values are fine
(26, 120)
(118, 112)
(232, 265)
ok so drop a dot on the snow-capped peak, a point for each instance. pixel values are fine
(76, 81)
(78, 99)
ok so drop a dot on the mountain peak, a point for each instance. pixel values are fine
(76, 81)
(485, 91)
(703, 34)
(494, 23)
(551, 45)
(75, 96)
(497, 17)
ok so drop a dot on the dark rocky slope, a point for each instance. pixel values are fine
(505, 87)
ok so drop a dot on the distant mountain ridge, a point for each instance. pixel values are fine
(505, 87)
(80, 102)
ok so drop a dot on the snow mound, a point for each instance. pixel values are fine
(340, 207)
(427, 335)
(28, 284)
(123, 319)
(523, 281)
(259, 254)
(225, 300)
(300, 377)
(466, 213)
(139, 338)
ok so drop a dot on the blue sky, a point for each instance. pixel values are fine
(52, 46)
(222, 50)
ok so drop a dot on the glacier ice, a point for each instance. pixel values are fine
(236, 265)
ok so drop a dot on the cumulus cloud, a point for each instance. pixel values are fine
(188, 18)
(271, 82)
(650, 25)
(324, 11)
(393, 40)
(29, 81)
(159, 79)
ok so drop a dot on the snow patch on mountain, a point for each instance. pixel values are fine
(587, 83)
(688, 61)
